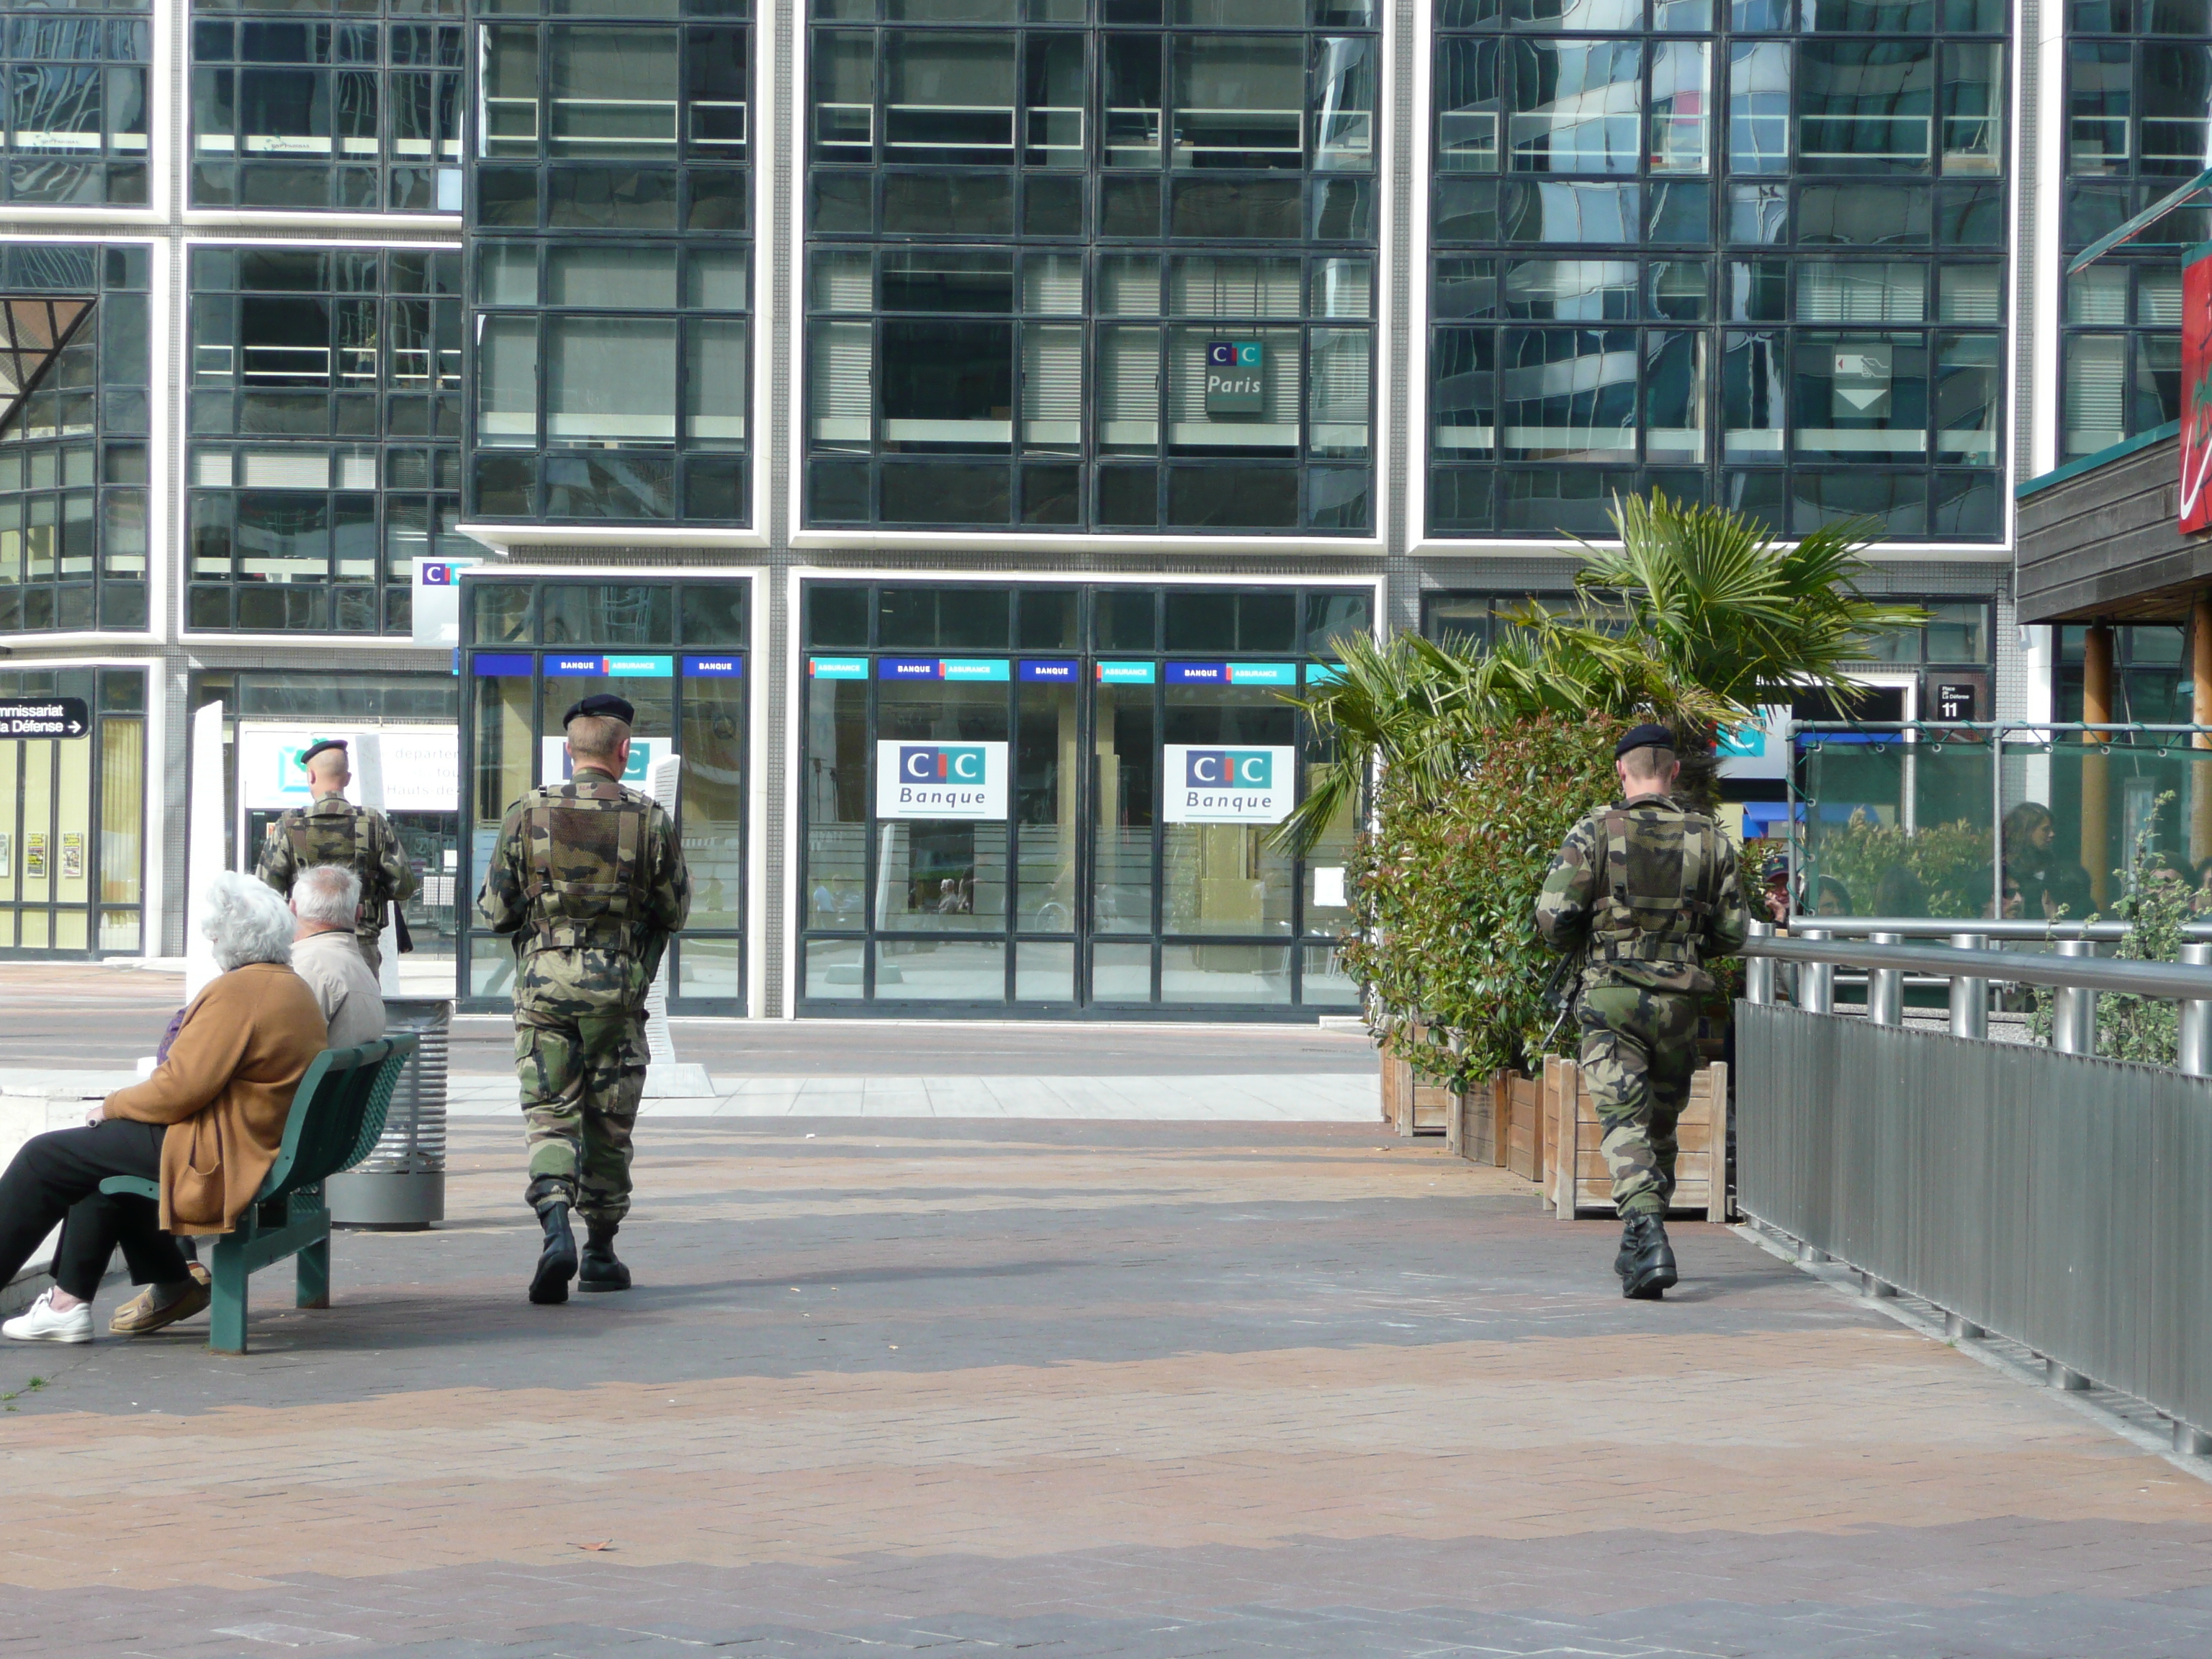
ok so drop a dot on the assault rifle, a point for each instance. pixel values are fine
(1564, 987)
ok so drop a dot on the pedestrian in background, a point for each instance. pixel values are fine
(588, 880)
(333, 830)
(1648, 889)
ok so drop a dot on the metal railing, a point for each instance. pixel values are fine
(2044, 1193)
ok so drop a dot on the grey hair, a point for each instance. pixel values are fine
(247, 921)
(327, 893)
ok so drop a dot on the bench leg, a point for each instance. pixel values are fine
(314, 1274)
(227, 1316)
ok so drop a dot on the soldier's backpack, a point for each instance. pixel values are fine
(328, 838)
(1662, 865)
(587, 868)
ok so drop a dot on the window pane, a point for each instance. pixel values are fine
(1240, 102)
(1861, 397)
(1466, 106)
(610, 379)
(613, 92)
(1865, 107)
(715, 385)
(1339, 380)
(507, 380)
(1967, 367)
(1576, 105)
(2095, 392)
(1680, 74)
(841, 395)
(1674, 397)
(948, 97)
(1759, 108)
(1570, 394)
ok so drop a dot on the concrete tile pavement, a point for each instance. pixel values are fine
(1080, 1387)
(1313, 1098)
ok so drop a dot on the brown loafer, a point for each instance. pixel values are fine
(139, 1315)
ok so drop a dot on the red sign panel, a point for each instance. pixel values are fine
(2197, 392)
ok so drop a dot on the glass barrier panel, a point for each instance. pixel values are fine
(2079, 817)
(1896, 824)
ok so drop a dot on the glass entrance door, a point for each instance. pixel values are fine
(675, 651)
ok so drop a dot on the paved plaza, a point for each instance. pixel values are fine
(1071, 1388)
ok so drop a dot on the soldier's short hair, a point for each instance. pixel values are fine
(594, 736)
(327, 893)
(1649, 762)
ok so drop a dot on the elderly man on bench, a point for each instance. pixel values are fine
(206, 1126)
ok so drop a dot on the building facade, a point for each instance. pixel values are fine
(890, 396)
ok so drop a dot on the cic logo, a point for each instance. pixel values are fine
(1228, 768)
(1234, 354)
(438, 575)
(940, 763)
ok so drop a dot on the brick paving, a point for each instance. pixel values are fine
(1071, 1388)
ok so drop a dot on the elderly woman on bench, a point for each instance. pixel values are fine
(207, 1125)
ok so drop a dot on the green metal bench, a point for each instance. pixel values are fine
(338, 1113)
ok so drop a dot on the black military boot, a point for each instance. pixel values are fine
(556, 1264)
(1646, 1262)
(602, 1270)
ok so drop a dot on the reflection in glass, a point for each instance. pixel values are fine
(1123, 809)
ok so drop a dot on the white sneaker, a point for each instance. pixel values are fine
(42, 1323)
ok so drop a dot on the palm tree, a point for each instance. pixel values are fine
(1694, 620)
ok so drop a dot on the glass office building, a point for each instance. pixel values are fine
(956, 424)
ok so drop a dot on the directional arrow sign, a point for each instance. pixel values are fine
(44, 717)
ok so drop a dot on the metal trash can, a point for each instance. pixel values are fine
(401, 1185)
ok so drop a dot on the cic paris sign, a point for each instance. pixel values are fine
(2197, 389)
(1235, 378)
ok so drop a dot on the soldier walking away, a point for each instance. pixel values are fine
(1648, 889)
(588, 879)
(333, 830)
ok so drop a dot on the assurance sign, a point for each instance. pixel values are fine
(44, 717)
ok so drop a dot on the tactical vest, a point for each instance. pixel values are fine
(1659, 881)
(326, 838)
(585, 842)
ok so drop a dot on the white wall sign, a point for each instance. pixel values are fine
(926, 778)
(438, 599)
(554, 767)
(421, 765)
(1756, 752)
(1215, 783)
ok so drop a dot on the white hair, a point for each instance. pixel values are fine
(247, 921)
(327, 893)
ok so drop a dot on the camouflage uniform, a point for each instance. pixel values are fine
(336, 831)
(1650, 889)
(589, 879)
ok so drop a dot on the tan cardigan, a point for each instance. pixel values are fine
(225, 1091)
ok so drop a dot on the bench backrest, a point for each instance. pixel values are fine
(338, 1112)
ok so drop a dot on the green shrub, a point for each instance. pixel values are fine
(1443, 892)
(1943, 867)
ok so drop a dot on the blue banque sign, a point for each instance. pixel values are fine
(1235, 378)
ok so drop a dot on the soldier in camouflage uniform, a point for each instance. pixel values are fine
(333, 830)
(589, 877)
(1648, 889)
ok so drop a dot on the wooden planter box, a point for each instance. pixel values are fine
(1413, 1104)
(1580, 1184)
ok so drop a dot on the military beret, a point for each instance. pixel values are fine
(315, 748)
(1643, 736)
(601, 703)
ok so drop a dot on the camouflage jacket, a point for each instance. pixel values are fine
(587, 937)
(1649, 888)
(335, 831)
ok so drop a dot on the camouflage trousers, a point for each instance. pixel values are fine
(372, 949)
(1638, 1049)
(581, 1082)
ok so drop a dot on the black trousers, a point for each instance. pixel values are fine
(55, 1178)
